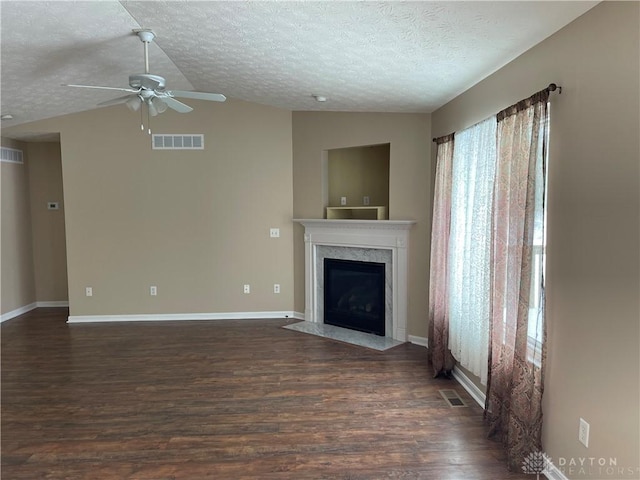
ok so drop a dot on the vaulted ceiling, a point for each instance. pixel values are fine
(363, 56)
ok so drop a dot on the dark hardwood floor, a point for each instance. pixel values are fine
(226, 400)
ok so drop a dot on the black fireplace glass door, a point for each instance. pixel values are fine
(354, 295)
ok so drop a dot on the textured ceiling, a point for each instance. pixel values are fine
(363, 56)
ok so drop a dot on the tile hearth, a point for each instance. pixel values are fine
(345, 335)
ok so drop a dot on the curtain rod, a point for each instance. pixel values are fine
(551, 88)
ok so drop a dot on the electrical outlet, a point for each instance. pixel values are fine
(88, 291)
(274, 232)
(276, 288)
(247, 289)
(366, 200)
(153, 290)
(583, 432)
(343, 201)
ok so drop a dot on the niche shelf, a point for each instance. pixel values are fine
(359, 213)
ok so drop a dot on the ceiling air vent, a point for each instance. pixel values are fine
(452, 398)
(177, 142)
(10, 155)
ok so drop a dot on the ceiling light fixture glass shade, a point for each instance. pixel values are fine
(134, 103)
(161, 106)
(153, 111)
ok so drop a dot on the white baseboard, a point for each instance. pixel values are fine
(172, 317)
(477, 394)
(55, 303)
(17, 312)
(27, 308)
(299, 316)
(471, 388)
(422, 341)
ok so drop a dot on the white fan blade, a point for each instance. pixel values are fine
(103, 88)
(214, 97)
(176, 105)
(116, 101)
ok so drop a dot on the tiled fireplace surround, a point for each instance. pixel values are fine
(382, 241)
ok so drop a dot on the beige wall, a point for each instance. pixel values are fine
(593, 366)
(359, 171)
(193, 223)
(18, 285)
(49, 244)
(409, 180)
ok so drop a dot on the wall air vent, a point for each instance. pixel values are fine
(452, 398)
(10, 155)
(177, 142)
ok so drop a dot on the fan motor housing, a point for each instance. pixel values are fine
(147, 81)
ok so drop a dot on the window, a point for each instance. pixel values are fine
(535, 325)
(489, 239)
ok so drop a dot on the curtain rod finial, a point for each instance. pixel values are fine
(553, 87)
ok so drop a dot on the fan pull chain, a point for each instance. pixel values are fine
(148, 120)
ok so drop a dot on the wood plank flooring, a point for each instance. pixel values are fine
(226, 400)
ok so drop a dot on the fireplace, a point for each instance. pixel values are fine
(378, 241)
(354, 295)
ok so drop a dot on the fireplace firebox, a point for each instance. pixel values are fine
(354, 295)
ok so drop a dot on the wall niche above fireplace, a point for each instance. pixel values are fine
(357, 182)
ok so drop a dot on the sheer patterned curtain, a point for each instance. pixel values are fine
(474, 161)
(441, 359)
(514, 393)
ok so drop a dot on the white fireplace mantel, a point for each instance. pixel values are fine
(390, 235)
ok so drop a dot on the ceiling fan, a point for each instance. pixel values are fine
(149, 89)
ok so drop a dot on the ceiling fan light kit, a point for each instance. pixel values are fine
(150, 89)
(159, 105)
(133, 103)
